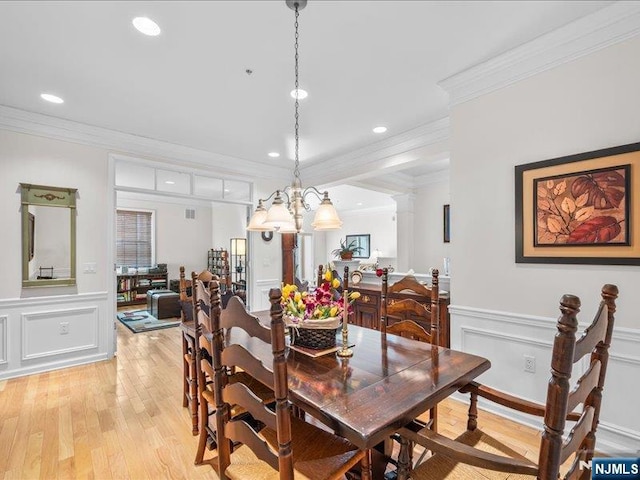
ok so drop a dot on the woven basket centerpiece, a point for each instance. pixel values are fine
(312, 333)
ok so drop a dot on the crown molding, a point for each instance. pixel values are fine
(586, 35)
(367, 211)
(390, 182)
(22, 121)
(376, 155)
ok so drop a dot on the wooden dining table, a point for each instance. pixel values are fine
(388, 382)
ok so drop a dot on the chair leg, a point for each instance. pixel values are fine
(185, 373)
(472, 422)
(404, 458)
(193, 387)
(202, 440)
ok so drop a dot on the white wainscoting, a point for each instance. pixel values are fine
(31, 336)
(42, 336)
(263, 287)
(505, 338)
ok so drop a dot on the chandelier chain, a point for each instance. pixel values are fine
(296, 171)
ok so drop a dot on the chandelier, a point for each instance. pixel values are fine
(285, 214)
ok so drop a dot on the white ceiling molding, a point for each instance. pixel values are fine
(391, 183)
(435, 177)
(22, 121)
(601, 29)
(356, 212)
(383, 154)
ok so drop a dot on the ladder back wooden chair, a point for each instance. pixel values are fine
(276, 445)
(208, 313)
(475, 454)
(188, 329)
(408, 317)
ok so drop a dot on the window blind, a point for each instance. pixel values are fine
(133, 238)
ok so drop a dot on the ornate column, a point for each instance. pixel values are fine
(404, 230)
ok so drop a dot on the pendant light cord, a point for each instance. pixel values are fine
(296, 171)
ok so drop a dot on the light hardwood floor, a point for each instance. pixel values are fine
(123, 418)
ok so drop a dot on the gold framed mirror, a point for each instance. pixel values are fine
(48, 235)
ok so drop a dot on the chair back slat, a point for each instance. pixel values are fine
(408, 306)
(240, 431)
(236, 315)
(587, 382)
(240, 394)
(592, 335)
(577, 434)
(409, 329)
(235, 355)
(412, 284)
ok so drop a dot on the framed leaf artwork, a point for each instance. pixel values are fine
(580, 209)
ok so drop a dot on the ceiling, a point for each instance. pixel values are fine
(364, 63)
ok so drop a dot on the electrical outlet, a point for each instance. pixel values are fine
(529, 364)
(64, 328)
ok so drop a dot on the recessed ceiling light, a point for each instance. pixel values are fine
(273, 154)
(301, 93)
(359, 204)
(51, 98)
(226, 190)
(147, 26)
(379, 129)
(169, 182)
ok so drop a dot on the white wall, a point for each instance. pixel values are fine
(30, 339)
(429, 246)
(179, 240)
(379, 223)
(588, 104)
(266, 264)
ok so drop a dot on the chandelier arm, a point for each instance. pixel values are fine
(319, 195)
(283, 191)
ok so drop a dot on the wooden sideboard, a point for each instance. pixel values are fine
(368, 309)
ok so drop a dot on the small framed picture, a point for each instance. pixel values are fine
(446, 223)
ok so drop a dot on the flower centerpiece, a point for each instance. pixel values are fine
(314, 317)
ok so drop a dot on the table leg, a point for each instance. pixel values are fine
(366, 466)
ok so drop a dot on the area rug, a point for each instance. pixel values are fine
(142, 321)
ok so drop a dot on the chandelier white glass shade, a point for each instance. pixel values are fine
(286, 213)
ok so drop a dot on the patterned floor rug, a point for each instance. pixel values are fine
(142, 321)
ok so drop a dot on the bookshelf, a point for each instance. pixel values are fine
(132, 288)
(218, 264)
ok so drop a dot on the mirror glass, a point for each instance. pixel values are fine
(48, 236)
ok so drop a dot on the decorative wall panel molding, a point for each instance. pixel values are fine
(505, 337)
(3, 338)
(43, 334)
(54, 300)
(601, 29)
(263, 287)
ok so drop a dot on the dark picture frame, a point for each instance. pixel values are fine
(446, 223)
(580, 209)
(363, 241)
